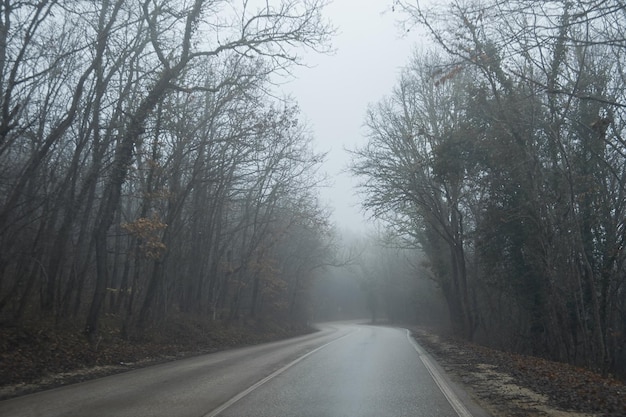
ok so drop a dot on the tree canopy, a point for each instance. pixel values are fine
(500, 154)
(147, 168)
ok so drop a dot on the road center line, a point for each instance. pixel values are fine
(271, 376)
(452, 398)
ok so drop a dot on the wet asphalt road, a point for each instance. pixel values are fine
(343, 370)
(374, 371)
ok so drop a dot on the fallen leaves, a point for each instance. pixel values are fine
(41, 355)
(510, 384)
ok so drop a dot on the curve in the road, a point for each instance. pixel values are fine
(273, 375)
(372, 373)
(345, 369)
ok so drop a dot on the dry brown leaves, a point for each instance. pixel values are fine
(42, 355)
(516, 385)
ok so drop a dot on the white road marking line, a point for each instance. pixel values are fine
(441, 383)
(271, 376)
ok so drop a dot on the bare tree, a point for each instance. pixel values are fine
(545, 96)
(140, 139)
(414, 175)
(266, 32)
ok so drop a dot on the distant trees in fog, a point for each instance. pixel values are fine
(381, 279)
(144, 166)
(502, 157)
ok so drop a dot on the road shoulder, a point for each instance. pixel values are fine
(515, 385)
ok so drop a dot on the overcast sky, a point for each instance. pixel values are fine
(334, 94)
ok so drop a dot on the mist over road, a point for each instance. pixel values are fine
(342, 370)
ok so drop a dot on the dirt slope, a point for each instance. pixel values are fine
(39, 355)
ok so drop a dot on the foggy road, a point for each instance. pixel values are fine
(343, 370)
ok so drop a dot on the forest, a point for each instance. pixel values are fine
(500, 154)
(149, 168)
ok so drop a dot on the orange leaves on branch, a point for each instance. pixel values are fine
(147, 231)
(446, 76)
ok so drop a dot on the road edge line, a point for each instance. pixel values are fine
(447, 391)
(242, 394)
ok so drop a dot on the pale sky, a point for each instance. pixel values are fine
(334, 94)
